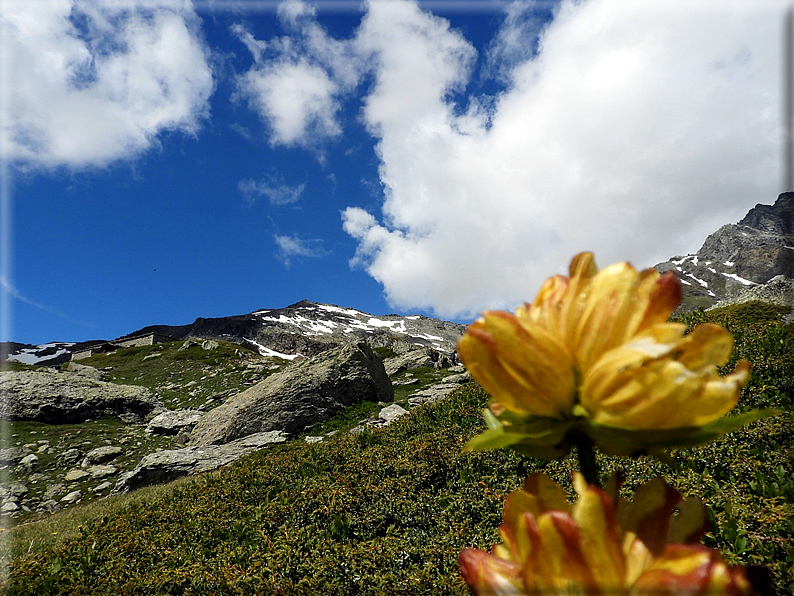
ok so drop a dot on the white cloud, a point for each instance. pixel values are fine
(274, 190)
(89, 82)
(295, 98)
(516, 40)
(296, 83)
(293, 246)
(637, 130)
(291, 11)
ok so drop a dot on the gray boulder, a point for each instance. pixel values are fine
(206, 344)
(86, 371)
(55, 398)
(69, 457)
(72, 497)
(438, 391)
(100, 455)
(300, 396)
(11, 456)
(420, 358)
(27, 464)
(391, 413)
(171, 422)
(165, 466)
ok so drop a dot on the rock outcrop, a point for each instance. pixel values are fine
(172, 422)
(56, 397)
(739, 257)
(168, 465)
(304, 394)
(419, 358)
(438, 391)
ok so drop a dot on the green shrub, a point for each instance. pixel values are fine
(387, 512)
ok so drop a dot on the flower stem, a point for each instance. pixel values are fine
(587, 462)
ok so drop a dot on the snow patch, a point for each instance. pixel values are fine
(728, 263)
(31, 355)
(741, 280)
(683, 281)
(341, 311)
(316, 327)
(430, 337)
(396, 326)
(700, 281)
(264, 351)
(415, 317)
(712, 270)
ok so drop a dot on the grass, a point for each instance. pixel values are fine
(387, 511)
(180, 378)
(187, 378)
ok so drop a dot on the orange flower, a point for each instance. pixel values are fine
(595, 350)
(600, 545)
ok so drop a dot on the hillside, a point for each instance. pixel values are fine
(51, 461)
(386, 511)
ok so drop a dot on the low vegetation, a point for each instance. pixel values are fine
(187, 378)
(387, 511)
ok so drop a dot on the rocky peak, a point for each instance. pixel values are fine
(739, 256)
(777, 219)
(303, 329)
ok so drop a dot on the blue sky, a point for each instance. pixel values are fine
(165, 160)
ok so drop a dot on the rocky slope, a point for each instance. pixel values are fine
(752, 259)
(81, 432)
(302, 329)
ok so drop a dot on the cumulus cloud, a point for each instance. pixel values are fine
(295, 98)
(517, 39)
(296, 82)
(271, 188)
(293, 246)
(635, 130)
(89, 82)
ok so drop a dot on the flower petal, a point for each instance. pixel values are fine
(521, 366)
(561, 563)
(691, 570)
(549, 495)
(595, 517)
(658, 382)
(487, 574)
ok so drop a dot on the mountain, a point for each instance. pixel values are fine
(301, 329)
(752, 259)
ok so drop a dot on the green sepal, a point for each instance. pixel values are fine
(543, 438)
(621, 441)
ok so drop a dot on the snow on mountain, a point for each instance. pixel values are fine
(45, 354)
(737, 256)
(302, 329)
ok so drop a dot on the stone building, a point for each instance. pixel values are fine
(131, 341)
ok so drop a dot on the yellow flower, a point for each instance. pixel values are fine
(600, 545)
(595, 351)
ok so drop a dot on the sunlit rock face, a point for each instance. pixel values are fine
(300, 396)
(739, 260)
